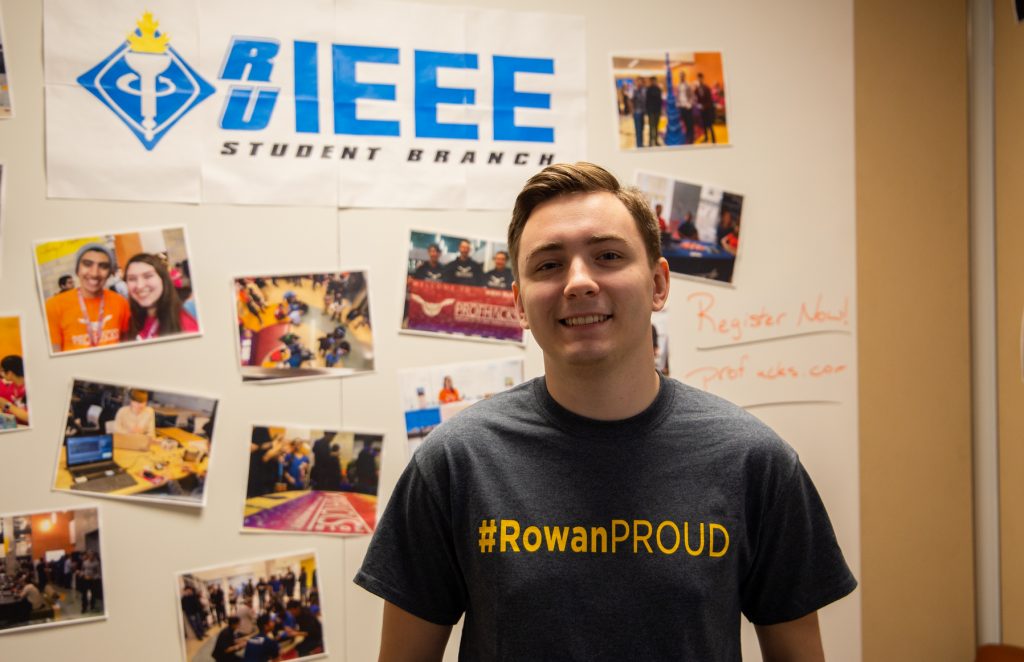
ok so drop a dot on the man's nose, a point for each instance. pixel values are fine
(581, 281)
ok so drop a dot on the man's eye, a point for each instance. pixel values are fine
(609, 255)
(544, 266)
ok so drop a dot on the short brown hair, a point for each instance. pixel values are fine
(567, 178)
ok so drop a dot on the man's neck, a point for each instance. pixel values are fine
(604, 393)
(90, 295)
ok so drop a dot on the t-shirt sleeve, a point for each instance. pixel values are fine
(53, 313)
(411, 561)
(797, 566)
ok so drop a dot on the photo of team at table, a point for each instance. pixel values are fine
(131, 442)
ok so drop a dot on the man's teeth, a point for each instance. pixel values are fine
(587, 319)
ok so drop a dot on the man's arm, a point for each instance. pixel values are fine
(793, 641)
(408, 638)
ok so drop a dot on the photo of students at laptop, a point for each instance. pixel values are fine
(105, 291)
(131, 442)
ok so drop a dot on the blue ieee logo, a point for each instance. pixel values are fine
(146, 83)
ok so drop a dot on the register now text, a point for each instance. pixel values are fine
(638, 536)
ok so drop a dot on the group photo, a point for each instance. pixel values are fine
(252, 611)
(51, 572)
(111, 290)
(459, 286)
(670, 99)
(136, 443)
(312, 481)
(303, 325)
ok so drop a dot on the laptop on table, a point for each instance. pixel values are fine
(90, 461)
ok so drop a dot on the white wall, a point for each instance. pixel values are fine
(789, 68)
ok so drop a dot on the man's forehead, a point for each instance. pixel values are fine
(577, 214)
(96, 256)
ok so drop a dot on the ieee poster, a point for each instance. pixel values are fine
(329, 103)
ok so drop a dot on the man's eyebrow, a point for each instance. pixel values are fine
(553, 246)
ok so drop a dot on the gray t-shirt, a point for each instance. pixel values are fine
(567, 538)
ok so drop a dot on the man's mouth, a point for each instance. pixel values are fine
(584, 320)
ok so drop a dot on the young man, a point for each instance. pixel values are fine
(432, 269)
(464, 270)
(89, 315)
(500, 277)
(600, 512)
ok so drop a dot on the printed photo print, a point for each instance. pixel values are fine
(267, 609)
(113, 290)
(13, 392)
(659, 331)
(459, 287)
(670, 99)
(434, 394)
(700, 225)
(306, 480)
(303, 326)
(52, 571)
(6, 107)
(132, 442)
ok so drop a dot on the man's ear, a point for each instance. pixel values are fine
(517, 297)
(661, 284)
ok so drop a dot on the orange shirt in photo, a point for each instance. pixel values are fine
(448, 395)
(69, 331)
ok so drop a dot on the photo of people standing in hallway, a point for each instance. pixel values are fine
(303, 326)
(13, 392)
(256, 611)
(670, 99)
(134, 442)
(312, 481)
(51, 572)
(459, 287)
(700, 225)
(111, 290)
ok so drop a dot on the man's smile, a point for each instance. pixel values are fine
(584, 320)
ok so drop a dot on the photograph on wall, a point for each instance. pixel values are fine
(659, 333)
(133, 442)
(434, 394)
(459, 287)
(306, 480)
(303, 326)
(264, 609)
(13, 389)
(113, 290)
(670, 99)
(52, 571)
(3, 201)
(700, 225)
(6, 106)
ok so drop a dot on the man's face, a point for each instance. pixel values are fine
(586, 287)
(93, 271)
(500, 261)
(434, 254)
(464, 249)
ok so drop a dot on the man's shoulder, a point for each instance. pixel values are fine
(727, 426)
(61, 299)
(112, 298)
